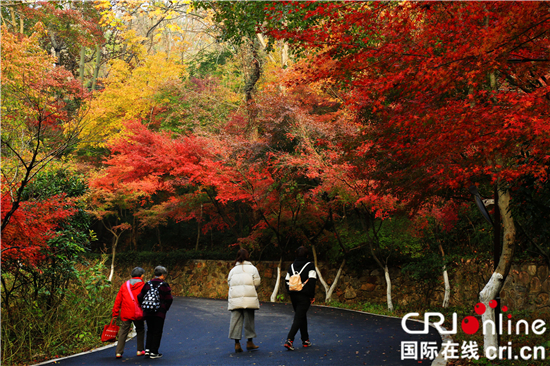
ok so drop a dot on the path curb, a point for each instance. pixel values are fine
(131, 335)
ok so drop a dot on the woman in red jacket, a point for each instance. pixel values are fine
(125, 305)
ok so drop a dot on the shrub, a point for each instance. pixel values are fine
(32, 331)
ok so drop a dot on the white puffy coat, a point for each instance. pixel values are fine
(243, 280)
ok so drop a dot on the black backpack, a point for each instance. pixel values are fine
(151, 300)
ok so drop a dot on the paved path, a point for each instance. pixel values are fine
(195, 333)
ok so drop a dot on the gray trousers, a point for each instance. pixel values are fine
(238, 317)
(123, 333)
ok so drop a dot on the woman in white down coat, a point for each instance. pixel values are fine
(243, 280)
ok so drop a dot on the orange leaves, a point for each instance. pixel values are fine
(40, 110)
(130, 93)
(31, 84)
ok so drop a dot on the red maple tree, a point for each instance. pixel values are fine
(449, 93)
(31, 226)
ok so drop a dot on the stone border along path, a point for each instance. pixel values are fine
(195, 333)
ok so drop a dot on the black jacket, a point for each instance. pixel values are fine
(308, 274)
(165, 296)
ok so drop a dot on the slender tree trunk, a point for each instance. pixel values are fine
(321, 279)
(284, 55)
(496, 282)
(82, 59)
(447, 296)
(134, 233)
(333, 286)
(56, 49)
(199, 230)
(96, 68)
(278, 282)
(158, 238)
(388, 288)
(384, 267)
(14, 20)
(254, 76)
(328, 291)
(264, 46)
(115, 243)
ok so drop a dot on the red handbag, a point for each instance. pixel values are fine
(110, 331)
(138, 312)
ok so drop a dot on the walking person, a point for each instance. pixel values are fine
(155, 299)
(126, 306)
(243, 280)
(300, 283)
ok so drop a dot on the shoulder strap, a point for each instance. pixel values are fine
(152, 284)
(305, 265)
(294, 272)
(130, 291)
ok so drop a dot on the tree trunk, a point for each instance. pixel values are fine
(21, 23)
(115, 242)
(82, 59)
(277, 283)
(388, 288)
(386, 274)
(158, 239)
(333, 286)
(199, 231)
(96, 67)
(325, 286)
(284, 55)
(56, 49)
(264, 46)
(496, 282)
(250, 84)
(328, 291)
(447, 297)
(134, 233)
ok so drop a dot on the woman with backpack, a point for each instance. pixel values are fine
(243, 280)
(300, 283)
(125, 306)
(155, 300)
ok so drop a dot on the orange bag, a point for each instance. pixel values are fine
(110, 332)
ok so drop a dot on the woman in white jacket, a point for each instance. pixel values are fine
(243, 280)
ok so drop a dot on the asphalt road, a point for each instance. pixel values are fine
(195, 333)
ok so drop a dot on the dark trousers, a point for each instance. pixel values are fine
(301, 304)
(155, 325)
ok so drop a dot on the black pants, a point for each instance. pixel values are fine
(301, 304)
(155, 325)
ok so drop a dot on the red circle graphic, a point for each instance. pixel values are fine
(480, 308)
(470, 325)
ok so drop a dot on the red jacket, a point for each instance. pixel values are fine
(123, 302)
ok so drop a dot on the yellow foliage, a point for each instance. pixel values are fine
(128, 94)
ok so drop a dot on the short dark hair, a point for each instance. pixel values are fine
(137, 272)
(242, 255)
(302, 252)
(160, 270)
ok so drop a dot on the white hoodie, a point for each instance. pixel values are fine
(243, 280)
